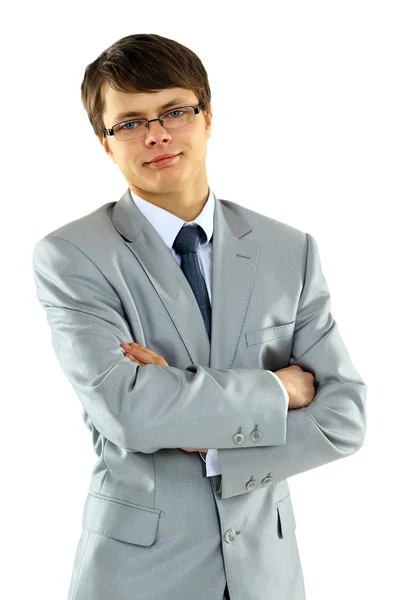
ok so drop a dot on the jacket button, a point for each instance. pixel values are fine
(266, 480)
(239, 438)
(230, 535)
(250, 485)
(256, 436)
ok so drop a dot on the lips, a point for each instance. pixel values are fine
(161, 157)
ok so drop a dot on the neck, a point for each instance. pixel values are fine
(185, 205)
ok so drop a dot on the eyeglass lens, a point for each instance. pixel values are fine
(179, 117)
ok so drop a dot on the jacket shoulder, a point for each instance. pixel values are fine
(262, 224)
(93, 229)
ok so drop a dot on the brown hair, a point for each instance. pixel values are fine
(144, 62)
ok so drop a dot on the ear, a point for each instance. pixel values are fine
(208, 121)
(104, 142)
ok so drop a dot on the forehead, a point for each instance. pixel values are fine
(119, 105)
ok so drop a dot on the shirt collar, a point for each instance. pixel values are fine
(168, 225)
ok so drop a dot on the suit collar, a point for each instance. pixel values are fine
(234, 265)
(129, 220)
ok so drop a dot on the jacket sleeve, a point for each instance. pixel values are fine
(143, 409)
(212, 458)
(333, 425)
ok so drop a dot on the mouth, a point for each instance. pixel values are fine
(162, 162)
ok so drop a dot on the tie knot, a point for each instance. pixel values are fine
(188, 239)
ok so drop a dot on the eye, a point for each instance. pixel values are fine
(127, 125)
(176, 111)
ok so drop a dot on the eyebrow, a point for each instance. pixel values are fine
(132, 113)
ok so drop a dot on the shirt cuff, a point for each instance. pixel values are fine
(212, 463)
(284, 390)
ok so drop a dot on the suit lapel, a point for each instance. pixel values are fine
(233, 271)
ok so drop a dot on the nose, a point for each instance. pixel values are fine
(157, 132)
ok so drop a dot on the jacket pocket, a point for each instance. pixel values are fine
(120, 520)
(268, 334)
(286, 518)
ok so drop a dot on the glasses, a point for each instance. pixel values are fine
(173, 119)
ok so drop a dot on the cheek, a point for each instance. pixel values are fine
(131, 162)
(201, 153)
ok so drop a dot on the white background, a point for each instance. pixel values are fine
(319, 82)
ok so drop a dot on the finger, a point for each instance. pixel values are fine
(131, 346)
(134, 350)
(143, 356)
(139, 347)
(145, 353)
(133, 359)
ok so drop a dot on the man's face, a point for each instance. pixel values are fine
(190, 141)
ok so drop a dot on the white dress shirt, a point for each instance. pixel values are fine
(168, 226)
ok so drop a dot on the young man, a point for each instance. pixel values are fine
(198, 428)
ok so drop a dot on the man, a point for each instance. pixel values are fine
(198, 416)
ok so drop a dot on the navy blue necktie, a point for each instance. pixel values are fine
(186, 244)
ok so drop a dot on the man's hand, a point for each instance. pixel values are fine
(299, 385)
(144, 356)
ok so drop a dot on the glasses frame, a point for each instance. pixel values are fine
(148, 121)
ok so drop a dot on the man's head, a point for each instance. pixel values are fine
(141, 73)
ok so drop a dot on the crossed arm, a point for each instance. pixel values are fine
(144, 356)
(87, 325)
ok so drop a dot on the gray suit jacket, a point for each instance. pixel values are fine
(154, 526)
